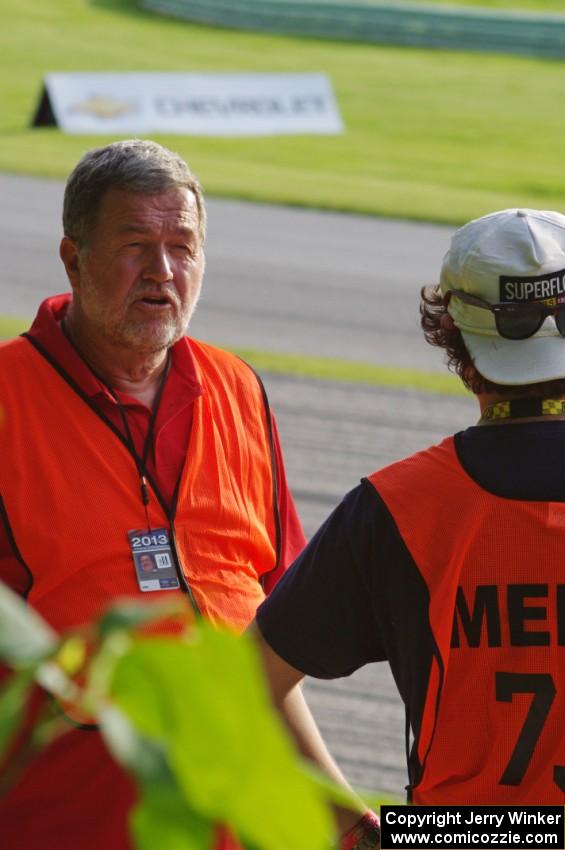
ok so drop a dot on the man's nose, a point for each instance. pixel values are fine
(158, 266)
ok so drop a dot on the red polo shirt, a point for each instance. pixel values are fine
(171, 431)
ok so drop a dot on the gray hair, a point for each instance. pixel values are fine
(134, 165)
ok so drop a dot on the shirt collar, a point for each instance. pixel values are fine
(182, 384)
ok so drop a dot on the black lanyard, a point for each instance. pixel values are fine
(140, 460)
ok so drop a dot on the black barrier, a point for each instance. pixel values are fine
(462, 827)
(44, 115)
(415, 25)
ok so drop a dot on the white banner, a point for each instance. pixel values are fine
(190, 104)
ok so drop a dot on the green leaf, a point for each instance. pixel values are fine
(72, 654)
(143, 757)
(131, 615)
(54, 680)
(206, 701)
(162, 819)
(25, 638)
(336, 794)
(13, 698)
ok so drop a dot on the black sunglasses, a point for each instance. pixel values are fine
(516, 321)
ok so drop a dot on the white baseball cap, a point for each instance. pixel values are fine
(518, 256)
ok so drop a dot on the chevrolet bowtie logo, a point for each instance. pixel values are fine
(103, 106)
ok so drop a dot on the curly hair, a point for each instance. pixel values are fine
(445, 335)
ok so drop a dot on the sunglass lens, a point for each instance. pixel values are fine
(560, 319)
(519, 322)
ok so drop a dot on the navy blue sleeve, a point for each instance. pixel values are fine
(321, 618)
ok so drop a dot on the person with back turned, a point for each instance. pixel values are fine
(450, 564)
(136, 461)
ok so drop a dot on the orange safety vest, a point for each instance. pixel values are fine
(488, 725)
(69, 495)
(70, 492)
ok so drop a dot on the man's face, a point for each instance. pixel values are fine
(146, 563)
(137, 281)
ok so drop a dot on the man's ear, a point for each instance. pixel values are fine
(69, 254)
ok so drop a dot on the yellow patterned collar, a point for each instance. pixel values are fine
(523, 408)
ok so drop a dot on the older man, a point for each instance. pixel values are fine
(450, 564)
(123, 438)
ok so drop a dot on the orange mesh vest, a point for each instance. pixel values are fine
(69, 495)
(488, 725)
(70, 492)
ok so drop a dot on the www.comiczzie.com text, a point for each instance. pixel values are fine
(462, 827)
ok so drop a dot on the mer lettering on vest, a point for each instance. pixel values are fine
(480, 620)
(532, 288)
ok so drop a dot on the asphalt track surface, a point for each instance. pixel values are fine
(307, 282)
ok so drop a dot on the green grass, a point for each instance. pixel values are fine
(430, 135)
(332, 369)
(10, 327)
(320, 368)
